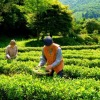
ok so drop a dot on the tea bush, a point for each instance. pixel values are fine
(80, 81)
(26, 87)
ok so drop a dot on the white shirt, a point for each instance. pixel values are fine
(12, 52)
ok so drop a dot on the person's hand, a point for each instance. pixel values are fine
(8, 57)
(39, 66)
(16, 55)
(49, 67)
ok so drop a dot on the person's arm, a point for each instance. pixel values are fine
(42, 60)
(7, 53)
(58, 58)
(16, 50)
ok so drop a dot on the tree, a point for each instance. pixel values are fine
(51, 17)
(91, 25)
(91, 13)
(12, 18)
(36, 7)
(54, 20)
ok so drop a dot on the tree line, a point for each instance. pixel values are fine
(37, 18)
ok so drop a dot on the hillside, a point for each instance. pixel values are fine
(84, 8)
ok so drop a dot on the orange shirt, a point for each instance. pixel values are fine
(50, 53)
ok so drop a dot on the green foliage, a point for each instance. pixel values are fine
(31, 18)
(12, 18)
(80, 81)
(91, 14)
(48, 15)
(89, 39)
(55, 16)
(91, 25)
(87, 30)
(77, 27)
(28, 88)
(84, 8)
(36, 6)
(82, 72)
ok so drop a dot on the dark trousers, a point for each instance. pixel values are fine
(60, 73)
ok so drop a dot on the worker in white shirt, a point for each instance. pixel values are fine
(11, 50)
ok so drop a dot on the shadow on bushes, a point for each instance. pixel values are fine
(63, 41)
(34, 43)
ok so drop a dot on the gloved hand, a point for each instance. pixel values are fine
(8, 57)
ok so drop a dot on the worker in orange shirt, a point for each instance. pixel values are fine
(52, 55)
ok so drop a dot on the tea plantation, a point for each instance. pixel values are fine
(81, 79)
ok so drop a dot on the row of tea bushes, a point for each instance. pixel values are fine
(80, 81)
(26, 87)
(79, 47)
(83, 54)
(67, 53)
(73, 71)
(82, 62)
(23, 49)
(70, 71)
(28, 49)
(9, 68)
(82, 58)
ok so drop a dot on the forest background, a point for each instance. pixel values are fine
(73, 21)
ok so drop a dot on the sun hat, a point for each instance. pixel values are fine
(12, 42)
